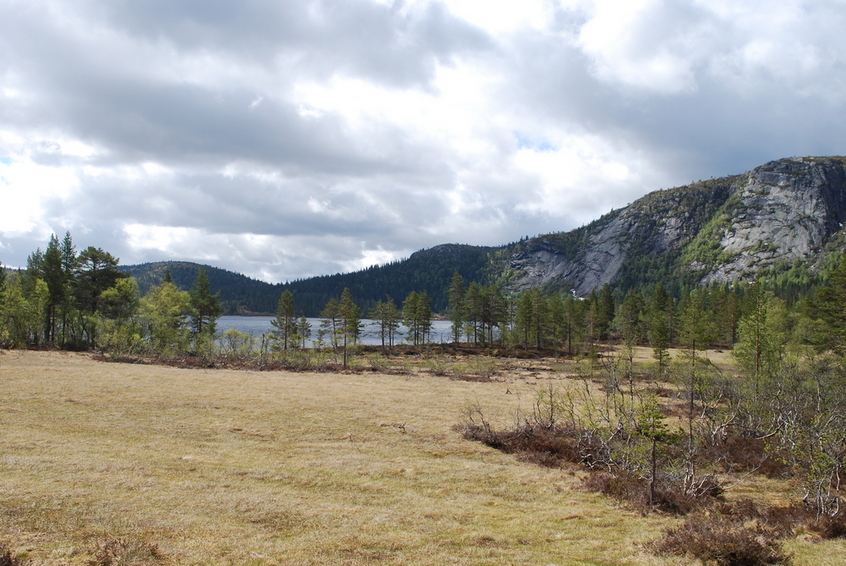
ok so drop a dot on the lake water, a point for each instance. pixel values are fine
(258, 325)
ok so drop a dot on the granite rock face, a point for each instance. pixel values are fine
(787, 211)
(714, 231)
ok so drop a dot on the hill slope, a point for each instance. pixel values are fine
(782, 220)
(426, 270)
(783, 214)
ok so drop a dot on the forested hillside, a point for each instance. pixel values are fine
(782, 221)
(427, 270)
(239, 294)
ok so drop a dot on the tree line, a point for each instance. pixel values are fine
(78, 300)
(81, 300)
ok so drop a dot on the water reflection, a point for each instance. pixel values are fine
(257, 325)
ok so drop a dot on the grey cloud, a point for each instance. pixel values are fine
(175, 83)
(324, 37)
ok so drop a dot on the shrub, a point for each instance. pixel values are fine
(7, 558)
(122, 552)
(549, 446)
(722, 540)
(747, 454)
(829, 527)
(669, 495)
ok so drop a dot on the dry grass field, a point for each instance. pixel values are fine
(187, 466)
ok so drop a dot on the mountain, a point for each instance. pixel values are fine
(239, 294)
(427, 270)
(782, 220)
(784, 217)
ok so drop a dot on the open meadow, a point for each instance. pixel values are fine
(161, 465)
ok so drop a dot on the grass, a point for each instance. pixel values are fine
(225, 467)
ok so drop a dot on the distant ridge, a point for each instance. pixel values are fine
(782, 220)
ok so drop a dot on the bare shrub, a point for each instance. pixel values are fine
(123, 552)
(669, 494)
(548, 446)
(722, 540)
(747, 454)
(8, 558)
(829, 527)
(439, 366)
(476, 370)
(785, 520)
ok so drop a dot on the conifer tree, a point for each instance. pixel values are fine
(473, 311)
(456, 306)
(205, 306)
(573, 320)
(829, 306)
(387, 316)
(659, 327)
(350, 315)
(285, 322)
(417, 316)
(762, 334)
(329, 324)
(303, 331)
(70, 265)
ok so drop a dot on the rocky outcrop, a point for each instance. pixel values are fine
(714, 231)
(786, 211)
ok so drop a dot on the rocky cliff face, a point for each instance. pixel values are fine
(786, 211)
(714, 231)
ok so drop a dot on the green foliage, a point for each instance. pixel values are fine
(22, 310)
(660, 324)
(455, 306)
(120, 302)
(427, 270)
(762, 334)
(829, 307)
(205, 307)
(285, 337)
(388, 317)
(532, 319)
(164, 315)
(236, 344)
(417, 316)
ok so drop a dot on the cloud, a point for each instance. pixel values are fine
(290, 139)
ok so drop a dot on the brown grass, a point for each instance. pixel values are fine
(160, 465)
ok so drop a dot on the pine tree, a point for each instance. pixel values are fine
(70, 266)
(456, 307)
(830, 307)
(473, 311)
(573, 320)
(53, 275)
(630, 318)
(329, 324)
(205, 307)
(387, 316)
(304, 331)
(762, 335)
(659, 327)
(350, 315)
(531, 319)
(285, 322)
(417, 316)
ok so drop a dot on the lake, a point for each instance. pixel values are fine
(257, 325)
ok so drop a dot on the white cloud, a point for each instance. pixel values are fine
(26, 187)
(291, 139)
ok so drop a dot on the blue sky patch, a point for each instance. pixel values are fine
(524, 141)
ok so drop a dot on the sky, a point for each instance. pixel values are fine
(284, 139)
